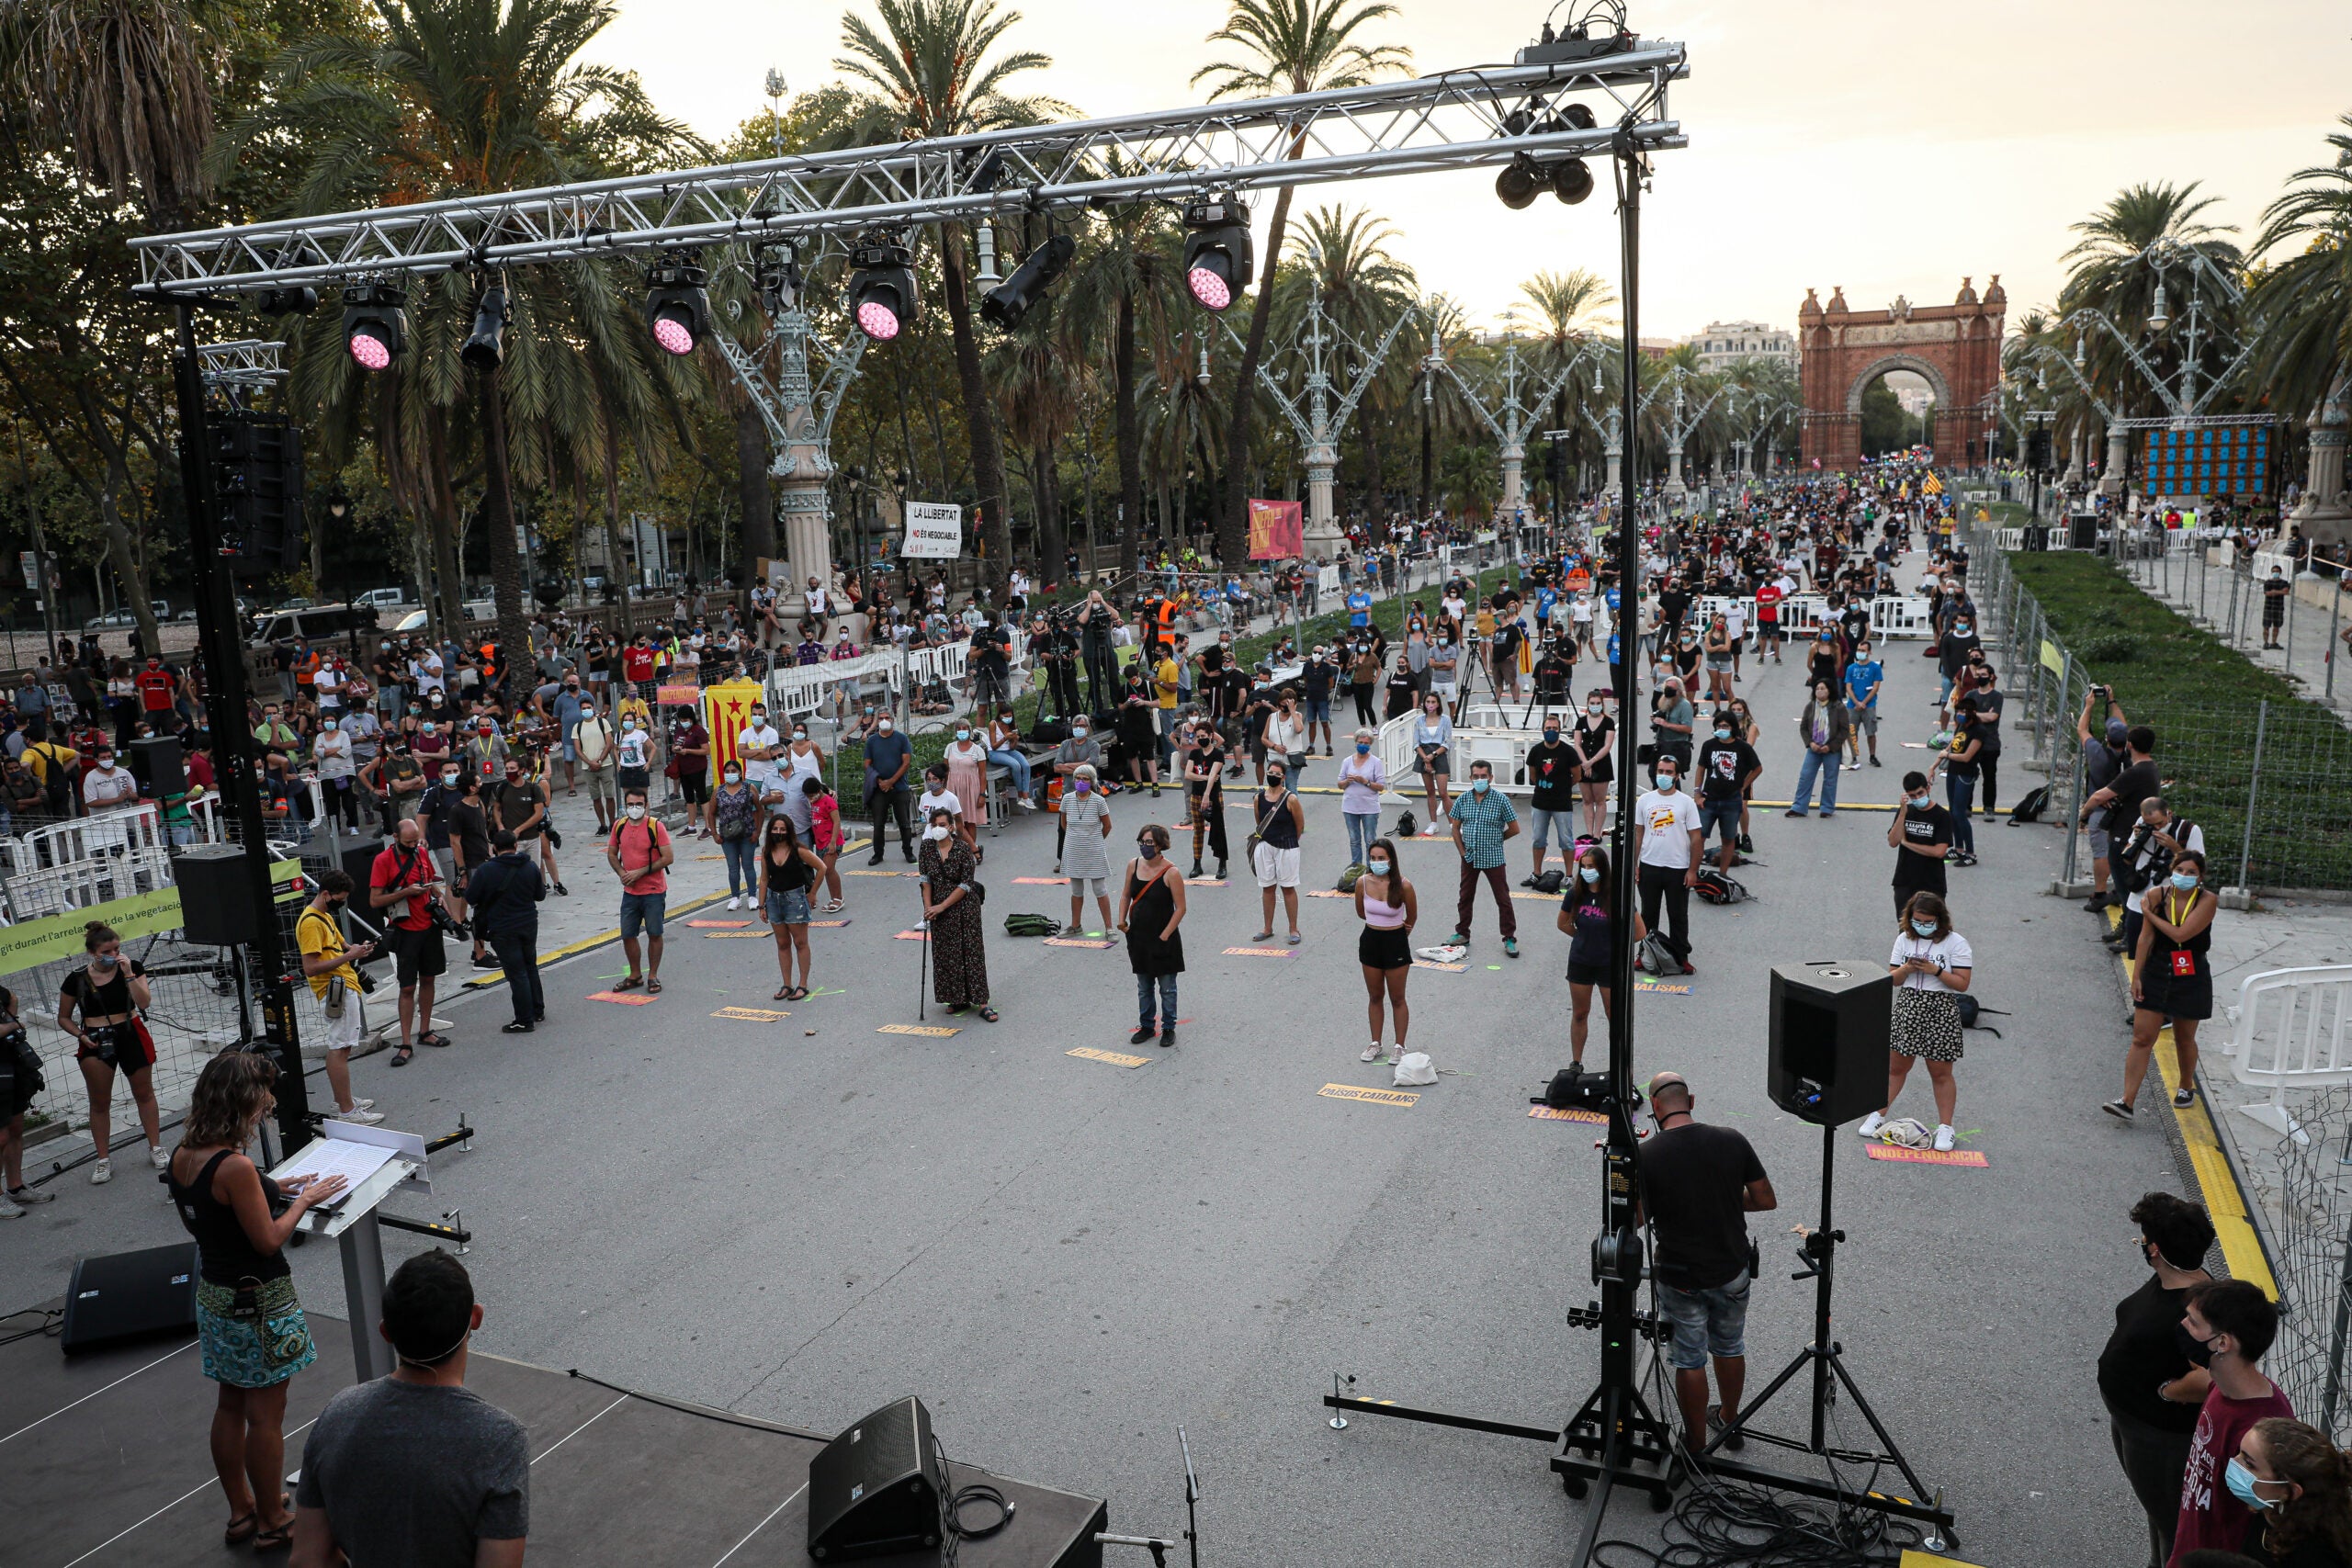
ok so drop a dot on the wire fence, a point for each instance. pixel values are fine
(2311, 1359)
(2222, 590)
(2270, 783)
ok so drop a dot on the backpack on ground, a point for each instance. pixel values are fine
(1348, 878)
(1550, 882)
(1658, 958)
(2029, 809)
(1050, 732)
(1971, 1011)
(1031, 925)
(1406, 826)
(1716, 886)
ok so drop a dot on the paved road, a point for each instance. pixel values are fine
(1067, 1258)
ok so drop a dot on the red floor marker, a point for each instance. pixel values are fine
(626, 998)
(719, 925)
(1924, 1156)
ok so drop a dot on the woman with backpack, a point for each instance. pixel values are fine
(1931, 964)
(1388, 906)
(1586, 908)
(735, 812)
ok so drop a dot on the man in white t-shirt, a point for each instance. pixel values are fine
(757, 747)
(426, 671)
(1670, 854)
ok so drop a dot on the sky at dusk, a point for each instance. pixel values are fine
(1889, 148)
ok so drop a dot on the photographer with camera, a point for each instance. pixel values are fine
(403, 877)
(1698, 1184)
(332, 966)
(2103, 759)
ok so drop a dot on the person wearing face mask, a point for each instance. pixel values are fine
(1952, 653)
(594, 741)
(1921, 836)
(640, 855)
(1671, 850)
(2227, 1326)
(2299, 1485)
(1822, 731)
(1080, 855)
(1203, 761)
(1863, 678)
(733, 819)
(1363, 673)
(1279, 819)
(1931, 966)
(1596, 747)
(2172, 977)
(1586, 908)
(504, 893)
(1727, 770)
(957, 954)
(1389, 907)
(1552, 776)
(466, 822)
(1151, 909)
(889, 756)
(107, 993)
(967, 779)
(1362, 779)
(1483, 820)
(2150, 1387)
(633, 757)
(520, 806)
(1957, 765)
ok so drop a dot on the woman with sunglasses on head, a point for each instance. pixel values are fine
(248, 1320)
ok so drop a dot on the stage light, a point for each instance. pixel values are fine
(775, 271)
(1011, 300)
(486, 348)
(1516, 185)
(300, 300)
(676, 308)
(1220, 260)
(882, 297)
(1571, 181)
(375, 327)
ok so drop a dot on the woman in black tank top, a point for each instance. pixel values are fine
(95, 1006)
(248, 1319)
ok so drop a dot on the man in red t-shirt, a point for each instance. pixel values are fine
(156, 687)
(1768, 621)
(403, 883)
(637, 666)
(640, 855)
(2232, 1324)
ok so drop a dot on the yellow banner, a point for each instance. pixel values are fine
(726, 713)
(30, 943)
(2052, 660)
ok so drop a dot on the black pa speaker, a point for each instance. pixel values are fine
(216, 900)
(155, 763)
(2083, 531)
(878, 1488)
(131, 1295)
(1829, 1028)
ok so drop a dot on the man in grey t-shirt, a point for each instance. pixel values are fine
(414, 1470)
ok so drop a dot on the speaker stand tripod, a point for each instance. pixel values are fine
(1826, 1359)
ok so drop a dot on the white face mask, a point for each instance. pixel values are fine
(635, 812)
(934, 834)
(883, 725)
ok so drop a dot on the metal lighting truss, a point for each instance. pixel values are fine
(1317, 425)
(1679, 428)
(250, 364)
(1509, 418)
(1472, 117)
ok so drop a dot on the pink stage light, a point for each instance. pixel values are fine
(370, 351)
(1209, 288)
(673, 336)
(878, 321)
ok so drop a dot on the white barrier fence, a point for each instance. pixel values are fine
(2294, 1033)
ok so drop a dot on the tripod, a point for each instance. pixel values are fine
(1827, 1359)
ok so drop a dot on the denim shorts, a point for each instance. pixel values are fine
(642, 911)
(788, 907)
(1707, 1323)
(1724, 812)
(1560, 826)
(1319, 710)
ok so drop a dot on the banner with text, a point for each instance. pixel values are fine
(1275, 530)
(934, 531)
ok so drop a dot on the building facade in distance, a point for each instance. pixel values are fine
(1725, 342)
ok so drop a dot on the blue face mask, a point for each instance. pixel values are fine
(2184, 881)
(2240, 1482)
(1922, 801)
(1480, 787)
(1591, 873)
(1364, 748)
(1378, 868)
(1924, 927)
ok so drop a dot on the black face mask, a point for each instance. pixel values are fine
(2198, 1352)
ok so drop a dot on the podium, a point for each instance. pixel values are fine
(352, 1225)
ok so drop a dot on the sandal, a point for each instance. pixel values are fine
(401, 1057)
(782, 994)
(798, 994)
(433, 1038)
(245, 1526)
(653, 987)
(989, 1014)
(279, 1537)
(632, 983)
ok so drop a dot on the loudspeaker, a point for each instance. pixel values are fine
(2083, 532)
(358, 861)
(155, 763)
(131, 1295)
(878, 1488)
(216, 903)
(1829, 1027)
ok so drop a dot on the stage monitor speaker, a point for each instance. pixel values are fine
(216, 901)
(2083, 532)
(1830, 1026)
(131, 1295)
(156, 763)
(359, 861)
(878, 1488)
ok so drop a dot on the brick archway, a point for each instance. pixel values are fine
(1956, 347)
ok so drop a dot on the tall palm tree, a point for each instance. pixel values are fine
(1035, 373)
(1285, 46)
(125, 92)
(927, 75)
(2301, 309)
(1566, 302)
(1124, 277)
(451, 97)
(2116, 271)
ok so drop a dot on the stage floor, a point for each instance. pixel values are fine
(107, 1463)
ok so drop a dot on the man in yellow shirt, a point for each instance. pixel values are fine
(1164, 678)
(327, 959)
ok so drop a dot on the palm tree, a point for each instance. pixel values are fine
(2301, 309)
(455, 97)
(1286, 46)
(1124, 277)
(1567, 302)
(1035, 373)
(125, 92)
(2117, 267)
(928, 76)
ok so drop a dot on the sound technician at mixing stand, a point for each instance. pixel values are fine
(1698, 1182)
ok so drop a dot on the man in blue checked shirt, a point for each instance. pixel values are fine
(1483, 822)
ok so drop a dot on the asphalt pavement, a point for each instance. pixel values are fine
(1066, 1256)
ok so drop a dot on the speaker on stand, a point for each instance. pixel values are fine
(1829, 1023)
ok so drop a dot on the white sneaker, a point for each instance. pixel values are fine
(1025, 803)
(1870, 1124)
(9, 1211)
(1371, 1052)
(1943, 1138)
(29, 1196)
(360, 1105)
(102, 1173)
(158, 1158)
(360, 1116)
(736, 902)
